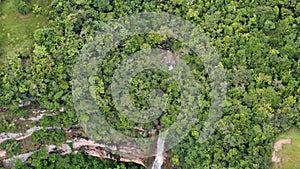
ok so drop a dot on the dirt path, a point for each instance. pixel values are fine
(277, 147)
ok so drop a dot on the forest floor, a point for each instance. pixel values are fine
(290, 154)
(16, 30)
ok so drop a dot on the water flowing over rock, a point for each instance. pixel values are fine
(159, 159)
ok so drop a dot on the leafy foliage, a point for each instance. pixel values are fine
(259, 45)
(23, 7)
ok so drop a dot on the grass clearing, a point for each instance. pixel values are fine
(16, 30)
(290, 154)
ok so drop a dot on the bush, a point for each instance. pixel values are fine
(1, 52)
(23, 8)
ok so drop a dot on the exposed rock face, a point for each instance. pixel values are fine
(3, 109)
(278, 147)
(9, 163)
(168, 59)
(103, 151)
(130, 152)
(66, 149)
(21, 136)
(8, 136)
(2, 154)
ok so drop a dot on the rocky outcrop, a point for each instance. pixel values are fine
(88, 147)
(21, 136)
(103, 151)
(9, 163)
(129, 152)
(2, 154)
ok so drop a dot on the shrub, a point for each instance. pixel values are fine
(23, 8)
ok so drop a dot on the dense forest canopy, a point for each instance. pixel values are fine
(259, 46)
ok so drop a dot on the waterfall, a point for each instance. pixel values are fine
(159, 159)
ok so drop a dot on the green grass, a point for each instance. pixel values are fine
(16, 30)
(290, 154)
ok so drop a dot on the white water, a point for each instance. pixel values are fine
(159, 159)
